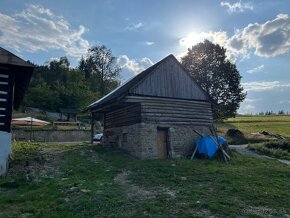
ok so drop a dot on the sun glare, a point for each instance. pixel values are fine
(194, 38)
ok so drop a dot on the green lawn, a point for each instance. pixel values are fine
(80, 180)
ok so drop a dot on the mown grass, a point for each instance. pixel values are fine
(279, 149)
(250, 124)
(279, 124)
(79, 180)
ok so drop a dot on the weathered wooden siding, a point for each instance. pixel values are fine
(6, 98)
(174, 111)
(169, 80)
(123, 117)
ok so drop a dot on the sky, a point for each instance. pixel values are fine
(256, 35)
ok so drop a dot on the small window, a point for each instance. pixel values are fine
(125, 137)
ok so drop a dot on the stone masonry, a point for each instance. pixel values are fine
(140, 140)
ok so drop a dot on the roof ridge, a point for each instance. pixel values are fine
(127, 85)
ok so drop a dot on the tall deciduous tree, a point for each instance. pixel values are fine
(100, 66)
(56, 85)
(209, 66)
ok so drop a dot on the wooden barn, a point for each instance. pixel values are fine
(15, 75)
(154, 114)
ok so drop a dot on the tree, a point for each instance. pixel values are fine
(56, 85)
(100, 66)
(41, 96)
(74, 93)
(209, 66)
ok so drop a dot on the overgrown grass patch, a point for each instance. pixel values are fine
(89, 181)
(26, 150)
(277, 149)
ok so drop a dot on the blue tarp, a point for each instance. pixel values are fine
(205, 145)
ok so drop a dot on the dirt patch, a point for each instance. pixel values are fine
(136, 192)
(42, 165)
(133, 191)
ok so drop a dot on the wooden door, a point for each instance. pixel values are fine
(162, 144)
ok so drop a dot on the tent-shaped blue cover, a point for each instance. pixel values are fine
(206, 145)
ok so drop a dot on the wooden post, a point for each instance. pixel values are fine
(30, 129)
(92, 128)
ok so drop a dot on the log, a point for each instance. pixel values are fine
(158, 99)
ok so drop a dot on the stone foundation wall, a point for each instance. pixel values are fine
(126, 138)
(140, 140)
(182, 138)
(52, 135)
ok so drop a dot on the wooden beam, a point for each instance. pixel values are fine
(92, 128)
(160, 99)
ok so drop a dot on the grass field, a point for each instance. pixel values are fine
(80, 180)
(253, 124)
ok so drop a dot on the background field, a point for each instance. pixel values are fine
(251, 124)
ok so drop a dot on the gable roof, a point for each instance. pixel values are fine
(22, 71)
(7, 57)
(124, 89)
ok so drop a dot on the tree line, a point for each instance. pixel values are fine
(58, 85)
(280, 112)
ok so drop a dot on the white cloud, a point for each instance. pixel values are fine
(135, 26)
(134, 66)
(284, 102)
(262, 86)
(251, 100)
(39, 29)
(219, 37)
(194, 38)
(256, 69)
(268, 39)
(54, 59)
(247, 109)
(149, 43)
(237, 6)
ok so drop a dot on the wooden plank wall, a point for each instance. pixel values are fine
(6, 98)
(177, 113)
(169, 80)
(173, 111)
(123, 117)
